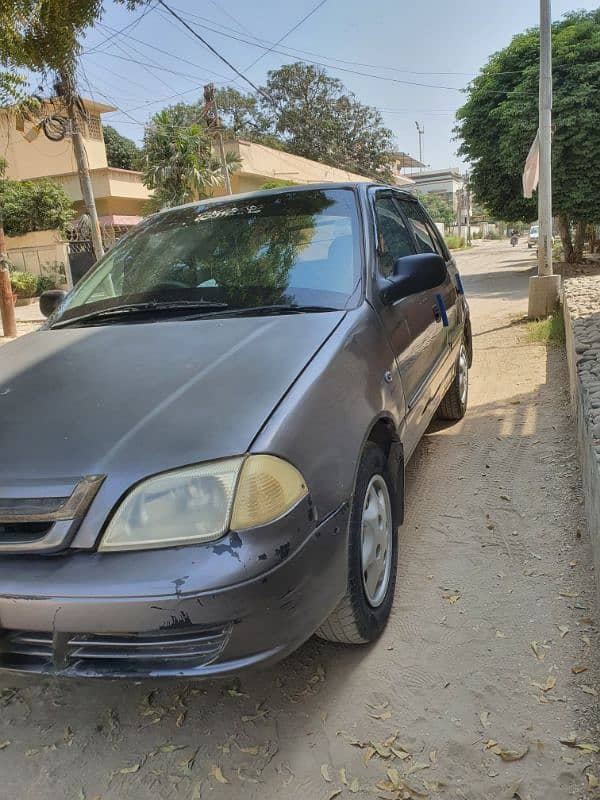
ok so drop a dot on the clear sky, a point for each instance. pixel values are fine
(433, 42)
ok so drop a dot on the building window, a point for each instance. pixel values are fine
(94, 127)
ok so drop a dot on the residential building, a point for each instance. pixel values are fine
(261, 164)
(447, 183)
(120, 194)
(405, 166)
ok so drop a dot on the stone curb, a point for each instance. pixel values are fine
(581, 311)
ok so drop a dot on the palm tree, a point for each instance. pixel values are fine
(179, 164)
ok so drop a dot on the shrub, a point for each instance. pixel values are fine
(455, 243)
(53, 277)
(24, 284)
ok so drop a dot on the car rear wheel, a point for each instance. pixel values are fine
(454, 404)
(372, 556)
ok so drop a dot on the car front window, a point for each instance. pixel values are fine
(297, 247)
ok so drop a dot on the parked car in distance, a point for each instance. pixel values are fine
(208, 435)
(533, 237)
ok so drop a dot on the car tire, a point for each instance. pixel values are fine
(363, 613)
(454, 404)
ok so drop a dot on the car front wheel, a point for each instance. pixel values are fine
(362, 614)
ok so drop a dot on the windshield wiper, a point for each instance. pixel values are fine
(141, 308)
(256, 311)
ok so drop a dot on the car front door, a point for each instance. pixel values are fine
(428, 240)
(412, 323)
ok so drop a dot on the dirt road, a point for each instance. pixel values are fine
(493, 611)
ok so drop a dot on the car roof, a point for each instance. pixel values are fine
(359, 186)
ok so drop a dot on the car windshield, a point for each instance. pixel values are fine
(534, 230)
(296, 248)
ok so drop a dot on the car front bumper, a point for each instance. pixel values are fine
(86, 614)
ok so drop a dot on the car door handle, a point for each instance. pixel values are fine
(437, 314)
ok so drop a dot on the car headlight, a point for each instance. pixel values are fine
(199, 504)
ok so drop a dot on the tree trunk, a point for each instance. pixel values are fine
(7, 310)
(580, 232)
(564, 226)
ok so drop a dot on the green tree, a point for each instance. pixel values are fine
(318, 118)
(439, 209)
(121, 152)
(34, 206)
(499, 120)
(44, 35)
(243, 118)
(178, 161)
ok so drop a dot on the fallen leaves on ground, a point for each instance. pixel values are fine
(579, 668)
(589, 690)
(4, 745)
(217, 774)
(548, 684)
(399, 788)
(335, 793)
(485, 718)
(572, 741)
(568, 594)
(325, 773)
(452, 598)
(537, 651)
(507, 755)
(592, 781)
(564, 629)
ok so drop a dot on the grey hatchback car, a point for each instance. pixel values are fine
(203, 447)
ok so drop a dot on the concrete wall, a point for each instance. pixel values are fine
(581, 309)
(33, 251)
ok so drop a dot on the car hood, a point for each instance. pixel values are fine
(137, 399)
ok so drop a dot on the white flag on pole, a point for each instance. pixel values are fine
(531, 173)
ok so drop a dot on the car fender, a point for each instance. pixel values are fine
(322, 423)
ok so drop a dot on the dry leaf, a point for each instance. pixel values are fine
(592, 781)
(382, 750)
(568, 594)
(369, 753)
(383, 716)
(500, 635)
(4, 745)
(129, 770)
(333, 794)
(489, 744)
(587, 747)
(354, 786)
(343, 776)
(573, 563)
(564, 629)
(548, 684)
(539, 653)
(251, 750)
(485, 717)
(325, 773)
(578, 669)
(217, 774)
(401, 754)
(505, 497)
(586, 620)
(181, 719)
(511, 755)
(586, 640)
(451, 598)
(589, 690)
(416, 768)
(433, 757)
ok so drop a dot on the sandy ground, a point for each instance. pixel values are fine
(494, 608)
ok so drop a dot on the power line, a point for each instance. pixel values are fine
(128, 27)
(191, 16)
(212, 49)
(288, 33)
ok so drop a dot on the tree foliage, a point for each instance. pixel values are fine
(178, 162)
(498, 122)
(313, 115)
(439, 209)
(34, 206)
(43, 35)
(121, 152)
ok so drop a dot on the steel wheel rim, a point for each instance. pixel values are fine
(463, 376)
(376, 541)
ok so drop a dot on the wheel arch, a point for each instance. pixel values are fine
(384, 433)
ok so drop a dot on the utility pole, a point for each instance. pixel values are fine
(544, 290)
(468, 197)
(421, 132)
(73, 107)
(213, 121)
(7, 309)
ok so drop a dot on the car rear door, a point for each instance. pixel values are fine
(412, 324)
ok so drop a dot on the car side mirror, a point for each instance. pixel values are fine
(414, 274)
(50, 301)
